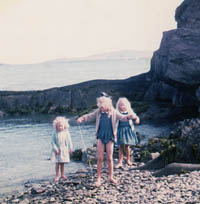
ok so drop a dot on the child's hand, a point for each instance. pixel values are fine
(80, 120)
(70, 151)
(115, 138)
(131, 116)
(57, 152)
(137, 120)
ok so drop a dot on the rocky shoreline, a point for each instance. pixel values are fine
(134, 186)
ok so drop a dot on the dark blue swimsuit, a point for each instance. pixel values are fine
(105, 130)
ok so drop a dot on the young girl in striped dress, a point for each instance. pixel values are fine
(125, 133)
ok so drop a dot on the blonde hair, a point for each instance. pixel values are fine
(126, 102)
(106, 102)
(61, 120)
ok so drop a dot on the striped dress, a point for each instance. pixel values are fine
(125, 134)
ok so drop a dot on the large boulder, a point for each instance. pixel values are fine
(175, 66)
(187, 14)
(177, 62)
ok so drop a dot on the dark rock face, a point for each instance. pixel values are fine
(70, 99)
(187, 15)
(175, 67)
(177, 62)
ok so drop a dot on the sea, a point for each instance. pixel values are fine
(46, 75)
(25, 141)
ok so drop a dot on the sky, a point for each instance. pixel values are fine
(34, 31)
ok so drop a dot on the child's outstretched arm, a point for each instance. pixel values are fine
(130, 116)
(135, 117)
(137, 120)
(87, 117)
(80, 119)
(124, 117)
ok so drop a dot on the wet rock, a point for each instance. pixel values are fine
(77, 155)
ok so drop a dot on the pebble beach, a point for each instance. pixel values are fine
(134, 186)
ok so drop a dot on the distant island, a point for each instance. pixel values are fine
(122, 54)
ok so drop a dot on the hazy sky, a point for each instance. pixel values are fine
(39, 30)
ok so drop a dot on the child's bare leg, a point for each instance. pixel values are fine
(109, 150)
(100, 150)
(128, 153)
(121, 157)
(62, 171)
(57, 172)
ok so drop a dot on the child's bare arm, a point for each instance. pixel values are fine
(130, 116)
(137, 120)
(125, 117)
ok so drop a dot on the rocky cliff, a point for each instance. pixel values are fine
(175, 66)
(71, 99)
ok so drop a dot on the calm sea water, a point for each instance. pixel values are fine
(25, 141)
(58, 73)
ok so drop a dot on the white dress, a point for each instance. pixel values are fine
(61, 141)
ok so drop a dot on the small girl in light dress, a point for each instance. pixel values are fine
(106, 128)
(125, 133)
(61, 145)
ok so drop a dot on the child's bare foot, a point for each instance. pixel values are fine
(64, 177)
(119, 165)
(56, 179)
(98, 183)
(113, 181)
(129, 163)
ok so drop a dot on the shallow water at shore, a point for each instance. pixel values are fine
(25, 148)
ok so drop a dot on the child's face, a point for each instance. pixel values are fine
(122, 106)
(103, 108)
(60, 127)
